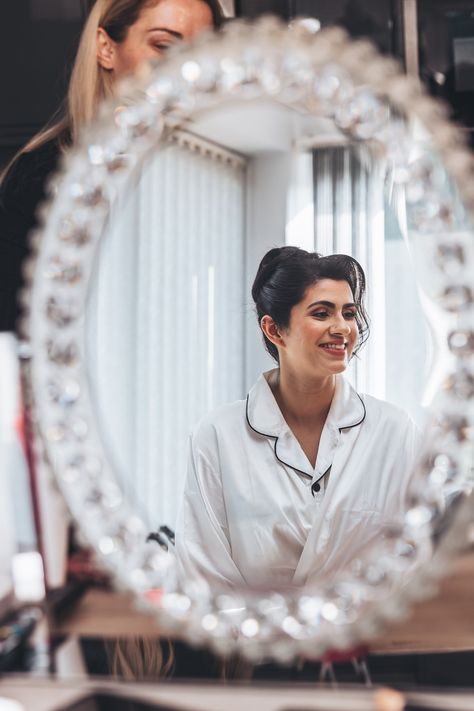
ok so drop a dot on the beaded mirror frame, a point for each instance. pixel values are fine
(370, 99)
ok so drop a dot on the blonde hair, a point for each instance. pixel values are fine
(90, 83)
(138, 659)
(142, 659)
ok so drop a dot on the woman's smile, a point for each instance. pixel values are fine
(335, 349)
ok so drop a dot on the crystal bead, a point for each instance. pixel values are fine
(64, 393)
(456, 298)
(56, 433)
(71, 473)
(270, 78)
(456, 426)
(137, 578)
(107, 545)
(309, 608)
(78, 234)
(461, 342)
(421, 180)
(461, 384)
(331, 88)
(329, 612)
(103, 497)
(363, 115)
(444, 468)
(61, 271)
(62, 312)
(430, 214)
(136, 121)
(117, 163)
(296, 76)
(89, 194)
(209, 623)
(191, 71)
(131, 532)
(81, 466)
(63, 353)
(450, 258)
(160, 91)
(67, 431)
(292, 627)
(24, 350)
(176, 603)
(310, 24)
(227, 603)
(250, 627)
(418, 516)
(232, 75)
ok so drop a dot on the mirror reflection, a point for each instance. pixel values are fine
(287, 486)
(269, 451)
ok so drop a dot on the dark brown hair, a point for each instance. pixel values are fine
(285, 273)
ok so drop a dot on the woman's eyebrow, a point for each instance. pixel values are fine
(178, 35)
(329, 304)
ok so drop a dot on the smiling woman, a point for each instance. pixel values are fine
(286, 487)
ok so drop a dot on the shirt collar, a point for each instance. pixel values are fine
(264, 417)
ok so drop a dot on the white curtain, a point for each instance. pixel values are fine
(355, 213)
(165, 336)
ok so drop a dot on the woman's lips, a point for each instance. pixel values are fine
(338, 350)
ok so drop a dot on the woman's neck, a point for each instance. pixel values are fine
(302, 401)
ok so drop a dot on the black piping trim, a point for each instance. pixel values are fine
(275, 437)
(349, 427)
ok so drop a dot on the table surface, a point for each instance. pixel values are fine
(444, 623)
(48, 695)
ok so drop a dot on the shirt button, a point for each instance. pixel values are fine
(315, 487)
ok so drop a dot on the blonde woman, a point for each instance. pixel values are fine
(118, 36)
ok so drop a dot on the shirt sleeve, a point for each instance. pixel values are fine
(21, 192)
(410, 445)
(203, 548)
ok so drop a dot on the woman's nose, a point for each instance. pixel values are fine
(339, 325)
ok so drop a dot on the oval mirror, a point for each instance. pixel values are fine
(168, 425)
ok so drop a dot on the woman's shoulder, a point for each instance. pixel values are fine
(28, 172)
(385, 413)
(221, 420)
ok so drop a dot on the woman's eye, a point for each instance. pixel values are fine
(321, 314)
(350, 315)
(161, 47)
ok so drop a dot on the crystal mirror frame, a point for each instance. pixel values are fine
(367, 95)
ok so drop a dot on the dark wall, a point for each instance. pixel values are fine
(38, 40)
(376, 19)
(446, 37)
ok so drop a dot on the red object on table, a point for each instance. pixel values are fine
(344, 655)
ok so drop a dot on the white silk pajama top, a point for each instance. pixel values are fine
(256, 513)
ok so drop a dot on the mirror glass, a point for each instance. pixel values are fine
(172, 339)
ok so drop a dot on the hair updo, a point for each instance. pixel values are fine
(285, 273)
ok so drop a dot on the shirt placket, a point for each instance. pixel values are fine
(329, 443)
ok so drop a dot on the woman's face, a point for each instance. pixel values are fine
(322, 332)
(157, 28)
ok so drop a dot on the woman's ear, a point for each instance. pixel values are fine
(271, 330)
(105, 50)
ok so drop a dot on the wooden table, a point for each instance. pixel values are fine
(45, 695)
(443, 624)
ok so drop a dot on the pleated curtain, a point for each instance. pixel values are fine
(358, 211)
(165, 328)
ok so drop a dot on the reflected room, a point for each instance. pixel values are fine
(236, 381)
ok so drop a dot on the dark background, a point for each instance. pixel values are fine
(38, 40)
